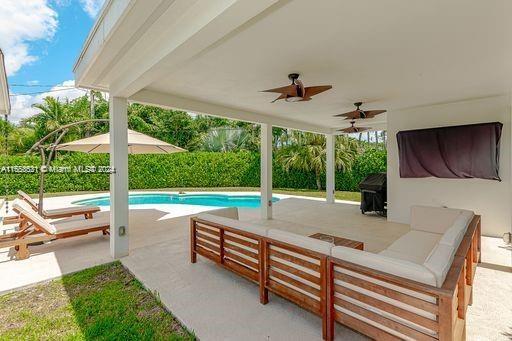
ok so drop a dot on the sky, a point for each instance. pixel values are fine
(41, 40)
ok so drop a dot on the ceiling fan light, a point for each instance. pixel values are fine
(293, 99)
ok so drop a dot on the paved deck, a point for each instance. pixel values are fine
(217, 304)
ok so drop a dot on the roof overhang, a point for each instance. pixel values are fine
(5, 104)
(215, 57)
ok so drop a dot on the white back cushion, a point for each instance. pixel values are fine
(433, 219)
(394, 266)
(309, 243)
(27, 198)
(236, 224)
(453, 236)
(439, 262)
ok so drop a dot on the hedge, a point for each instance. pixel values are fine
(197, 169)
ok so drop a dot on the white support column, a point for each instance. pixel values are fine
(266, 171)
(118, 179)
(330, 172)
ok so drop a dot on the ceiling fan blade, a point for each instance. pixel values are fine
(353, 129)
(289, 90)
(347, 130)
(311, 91)
(282, 96)
(353, 114)
(358, 117)
(374, 112)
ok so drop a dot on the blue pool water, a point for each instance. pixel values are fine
(220, 200)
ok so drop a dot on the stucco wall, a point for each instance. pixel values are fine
(491, 199)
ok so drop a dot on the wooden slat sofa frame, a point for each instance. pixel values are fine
(403, 309)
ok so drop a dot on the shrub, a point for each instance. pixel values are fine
(197, 169)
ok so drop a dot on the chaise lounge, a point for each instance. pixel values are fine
(34, 228)
(64, 212)
(416, 289)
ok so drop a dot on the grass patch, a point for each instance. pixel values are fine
(103, 303)
(340, 195)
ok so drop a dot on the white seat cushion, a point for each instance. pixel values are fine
(439, 262)
(453, 236)
(236, 224)
(70, 210)
(403, 256)
(433, 219)
(301, 241)
(71, 225)
(394, 266)
(415, 245)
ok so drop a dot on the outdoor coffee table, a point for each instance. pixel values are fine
(339, 241)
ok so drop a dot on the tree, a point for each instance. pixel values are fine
(307, 152)
(55, 113)
(52, 116)
(20, 140)
(225, 139)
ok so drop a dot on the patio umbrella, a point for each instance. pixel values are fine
(138, 143)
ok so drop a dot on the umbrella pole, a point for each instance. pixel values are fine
(44, 167)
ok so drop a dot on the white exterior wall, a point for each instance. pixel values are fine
(491, 199)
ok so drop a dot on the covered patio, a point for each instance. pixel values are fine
(428, 64)
(215, 58)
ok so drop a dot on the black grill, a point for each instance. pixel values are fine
(374, 194)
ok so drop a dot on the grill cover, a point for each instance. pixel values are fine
(374, 193)
(374, 182)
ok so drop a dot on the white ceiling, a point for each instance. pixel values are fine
(391, 54)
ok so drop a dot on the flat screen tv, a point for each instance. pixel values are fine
(460, 152)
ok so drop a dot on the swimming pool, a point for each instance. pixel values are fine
(218, 200)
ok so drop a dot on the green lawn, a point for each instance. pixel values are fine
(105, 302)
(341, 195)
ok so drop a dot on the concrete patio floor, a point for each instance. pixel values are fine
(218, 305)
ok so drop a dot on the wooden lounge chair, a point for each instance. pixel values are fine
(35, 229)
(64, 212)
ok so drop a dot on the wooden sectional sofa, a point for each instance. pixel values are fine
(417, 289)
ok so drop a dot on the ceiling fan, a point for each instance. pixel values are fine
(353, 129)
(360, 114)
(296, 92)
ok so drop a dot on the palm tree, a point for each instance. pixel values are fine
(52, 116)
(225, 139)
(307, 152)
(52, 113)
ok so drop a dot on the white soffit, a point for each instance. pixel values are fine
(5, 104)
(391, 54)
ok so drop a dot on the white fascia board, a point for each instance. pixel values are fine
(108, 22)
(192, 32)
(5, 103)
(200, 107)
